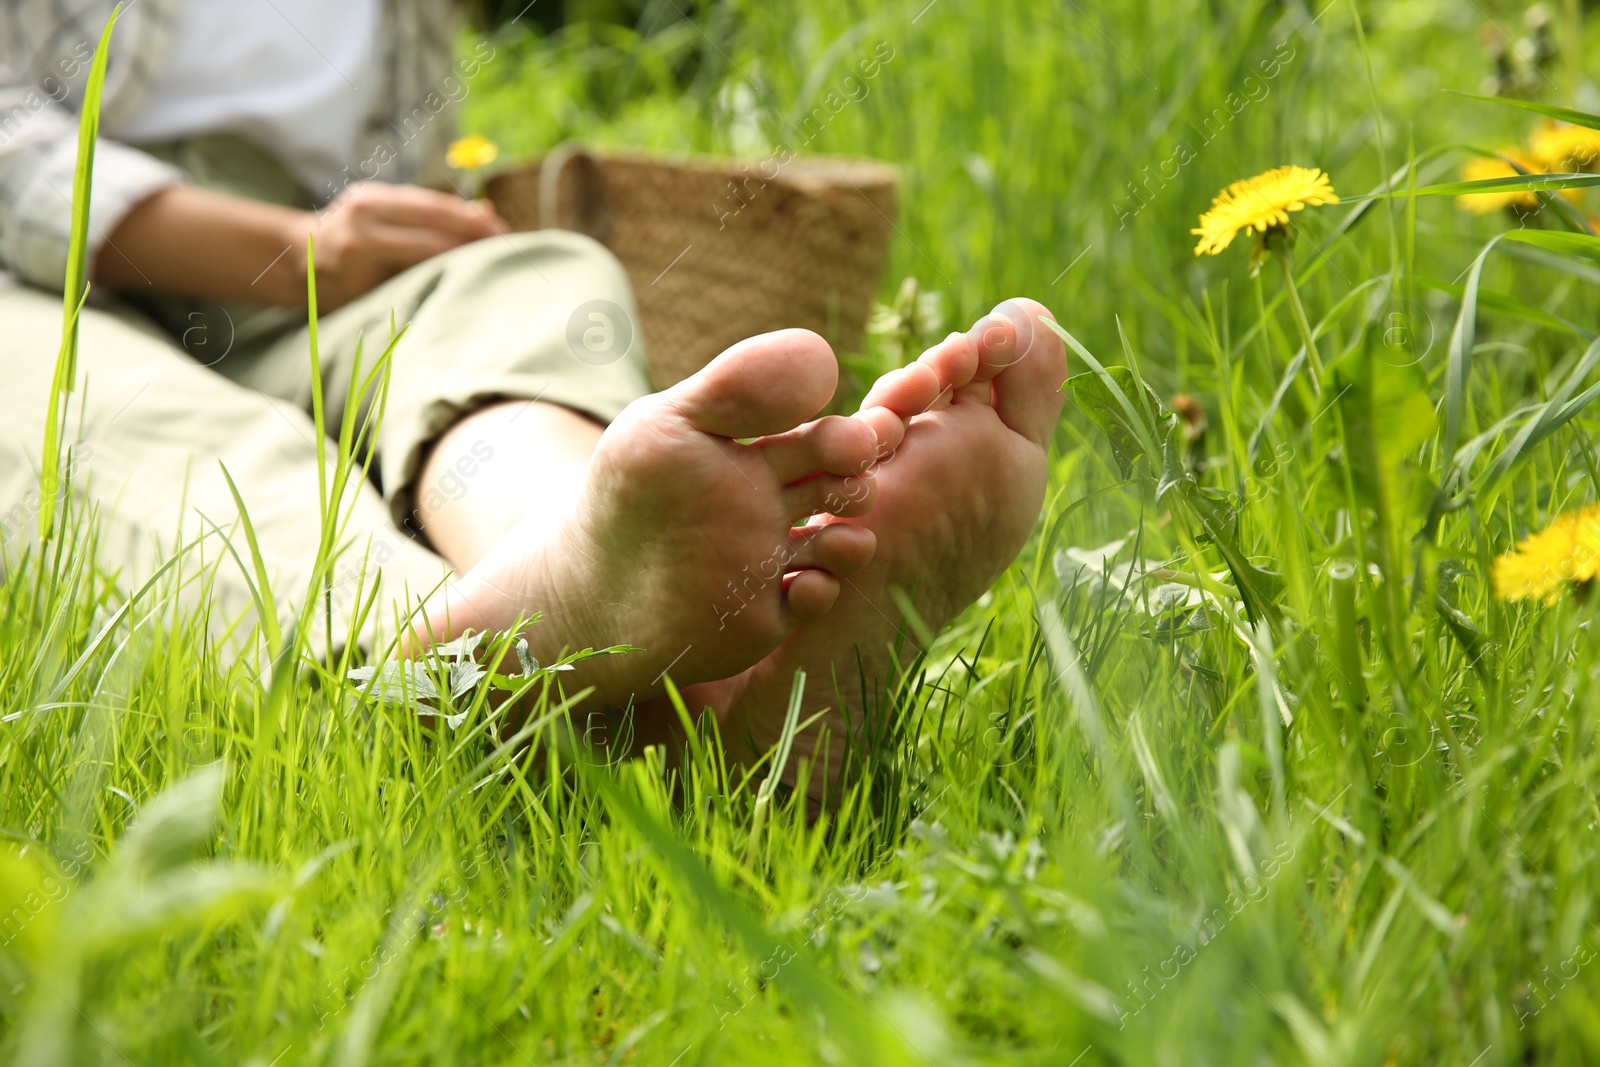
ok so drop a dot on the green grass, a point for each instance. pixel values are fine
(1348, 818)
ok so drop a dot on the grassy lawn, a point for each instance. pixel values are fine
(1241, 762)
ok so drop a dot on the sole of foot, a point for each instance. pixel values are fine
(683, 542)
(956, 501)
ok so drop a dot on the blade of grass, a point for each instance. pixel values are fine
(75, 287)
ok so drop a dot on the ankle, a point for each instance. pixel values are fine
(498, 468)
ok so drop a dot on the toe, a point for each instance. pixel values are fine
(1006, 336)
(995, 338)
(832, 445)
(809, 594)
(888, 428)
(830, 494)
(907, 391)
(1027, 385)
(764, 385)
(954, 360)
(928, 382)
(840, 548)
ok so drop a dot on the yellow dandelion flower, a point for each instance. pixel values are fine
(1261, 204)
(471, 152)
(1565, 149)
(1521, 200)
(1568, 550)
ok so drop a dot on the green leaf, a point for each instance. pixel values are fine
(29, 889)
(1172, 469)
(173, 826)
(1104, 397)
(1387, 417)
(1217, 516)
(1572, 244)
(1219, 519)
(75, 286)
(1291, 373)
(780, 755)
(1458, 358)
(1546, 419)
(1462, 338)
(1507, 305)
(1509, 183)
(184, 897)
(261, 587)
(1563, 114)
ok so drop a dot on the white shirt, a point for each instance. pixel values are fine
(296, 77)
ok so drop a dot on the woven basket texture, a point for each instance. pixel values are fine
(719, 250)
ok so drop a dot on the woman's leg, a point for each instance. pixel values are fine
(496, 466)
(157, 432)
(517, 351)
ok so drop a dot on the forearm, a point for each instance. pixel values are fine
(189, 241)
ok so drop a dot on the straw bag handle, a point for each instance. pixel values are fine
(594, 207)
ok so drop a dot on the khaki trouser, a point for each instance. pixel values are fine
(545, 316)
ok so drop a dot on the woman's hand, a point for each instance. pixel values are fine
(374, 231)
(188, 241)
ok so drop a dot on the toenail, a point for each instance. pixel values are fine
(1021, 321)
(1008, 309)
(986, 333)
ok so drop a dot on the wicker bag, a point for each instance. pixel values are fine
(719, 250)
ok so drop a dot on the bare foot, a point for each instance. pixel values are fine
(955, 504)
(682, 543)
